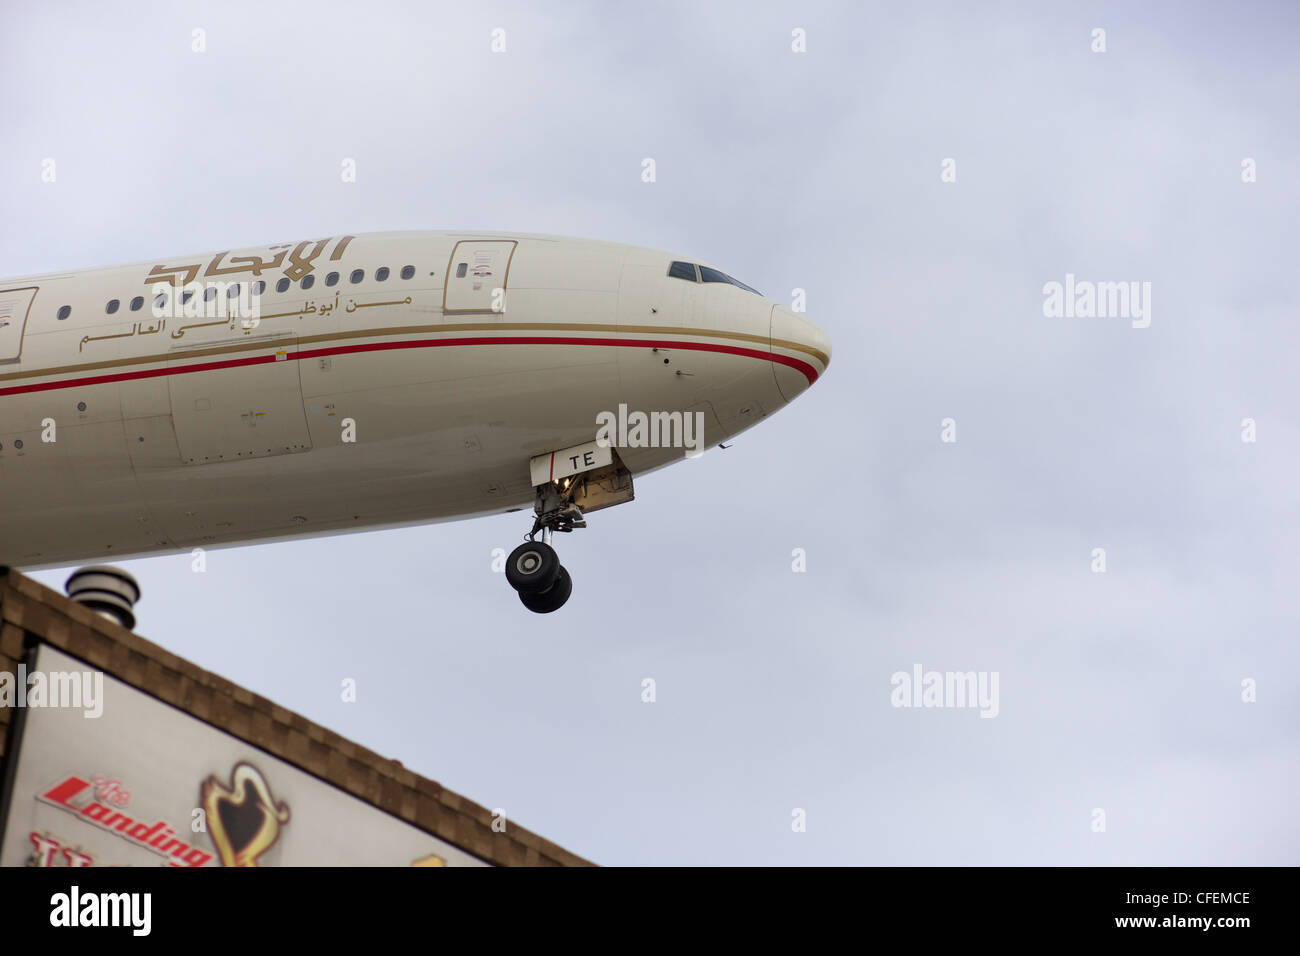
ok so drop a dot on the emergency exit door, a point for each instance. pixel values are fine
(14, 306)
(476, 276)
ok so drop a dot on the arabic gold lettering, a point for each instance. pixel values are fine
(176, 275)
(302, 264)
(253, 264)
(202, 325)
(371, 305)
(280, 315)
(101, 338)
(337, 254)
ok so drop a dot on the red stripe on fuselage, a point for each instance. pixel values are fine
(803, 367)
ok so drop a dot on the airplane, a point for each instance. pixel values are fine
(371, 381)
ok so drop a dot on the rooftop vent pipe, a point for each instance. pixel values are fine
(109, 592)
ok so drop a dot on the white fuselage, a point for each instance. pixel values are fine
(353, 402)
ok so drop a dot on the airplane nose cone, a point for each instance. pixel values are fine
(801, 352)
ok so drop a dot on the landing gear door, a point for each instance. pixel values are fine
(14, 306)
(476, 276)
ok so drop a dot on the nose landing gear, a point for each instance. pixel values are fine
(533, 569)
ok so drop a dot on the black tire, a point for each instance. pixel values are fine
(532, 567)
(552, 599)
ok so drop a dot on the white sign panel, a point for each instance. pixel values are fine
(145, 784)
(570, 461)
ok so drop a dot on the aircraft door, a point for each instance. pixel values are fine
(14, 306)
(476, 276)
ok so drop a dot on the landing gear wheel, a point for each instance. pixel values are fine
(552, 599)
(532, 567)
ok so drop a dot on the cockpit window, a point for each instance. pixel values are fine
(742, 285)
(686, 270)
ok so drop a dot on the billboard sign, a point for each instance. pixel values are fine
(133, 781)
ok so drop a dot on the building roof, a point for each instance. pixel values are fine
(31, 612)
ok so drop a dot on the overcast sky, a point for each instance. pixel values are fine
(822, 170)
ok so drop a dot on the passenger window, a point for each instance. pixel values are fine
(308, 281)
(185, 297)
(357, 276)
(381, 274)
(713, 275)
(682, 270)
(112, 306)
(282, 285)
(332, 279)
(232, 291)
(160, 300)
(209, 293)
(259, 287)
(136, 303)
(408, 271)
(64, 312)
